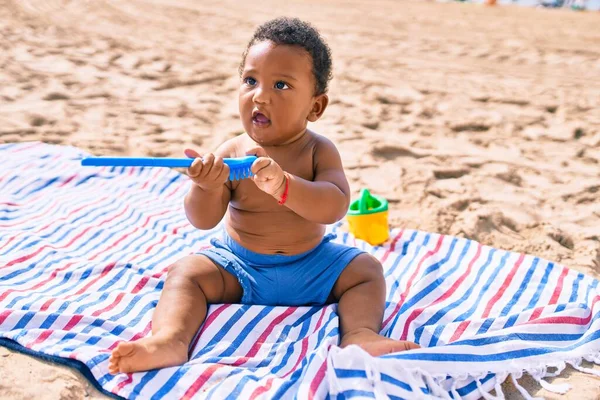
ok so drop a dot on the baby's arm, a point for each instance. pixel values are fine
(208, 198)
(324, 200)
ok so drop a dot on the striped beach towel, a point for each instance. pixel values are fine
(84, 253)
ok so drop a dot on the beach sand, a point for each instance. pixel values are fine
(475, 121)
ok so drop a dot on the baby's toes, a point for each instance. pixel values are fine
(113, 365)
(113, 368)
(124, 349)
(410, 346)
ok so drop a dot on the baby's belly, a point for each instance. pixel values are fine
(274, 232)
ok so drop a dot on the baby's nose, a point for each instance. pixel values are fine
(261, 96)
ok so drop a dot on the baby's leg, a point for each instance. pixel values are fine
(192, 283)
(360, 291)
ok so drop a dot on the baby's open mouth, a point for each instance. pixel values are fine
(260, 119)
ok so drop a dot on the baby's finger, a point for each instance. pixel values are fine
(207, 164)
(195, 169)
(260, 164)
(271, 169)
(191, 153)
(224, 175)
(257, 151)
(217, 167)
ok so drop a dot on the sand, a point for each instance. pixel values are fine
(473, 121)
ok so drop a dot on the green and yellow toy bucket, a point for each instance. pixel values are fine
(368, 218)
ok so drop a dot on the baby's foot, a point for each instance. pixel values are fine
(375, 344)
(146, 354)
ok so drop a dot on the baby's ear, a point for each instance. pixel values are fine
(318, 107)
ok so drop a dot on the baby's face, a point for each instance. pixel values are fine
(276, 93)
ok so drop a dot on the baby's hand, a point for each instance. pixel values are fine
(208, 172)
(268, 175)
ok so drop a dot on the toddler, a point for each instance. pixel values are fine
(274, 250)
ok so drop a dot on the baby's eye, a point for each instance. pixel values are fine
(281, 85)
(250, 81)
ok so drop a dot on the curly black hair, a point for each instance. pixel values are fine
(294, 32)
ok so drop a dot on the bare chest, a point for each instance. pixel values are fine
(248, 197)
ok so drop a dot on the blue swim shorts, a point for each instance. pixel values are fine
(288, 280)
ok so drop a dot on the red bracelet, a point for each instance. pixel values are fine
(284, 196)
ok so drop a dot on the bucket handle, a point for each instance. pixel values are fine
(363, 204)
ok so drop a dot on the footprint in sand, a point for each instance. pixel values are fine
(480, 223)
(197, 140)
(372, 124)
(450, 173)
(52, 96)
(160, 139)
(158, 153)
(391, 152)
(511, 176)
(39, 120)
(562, 238)
(470, 126)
